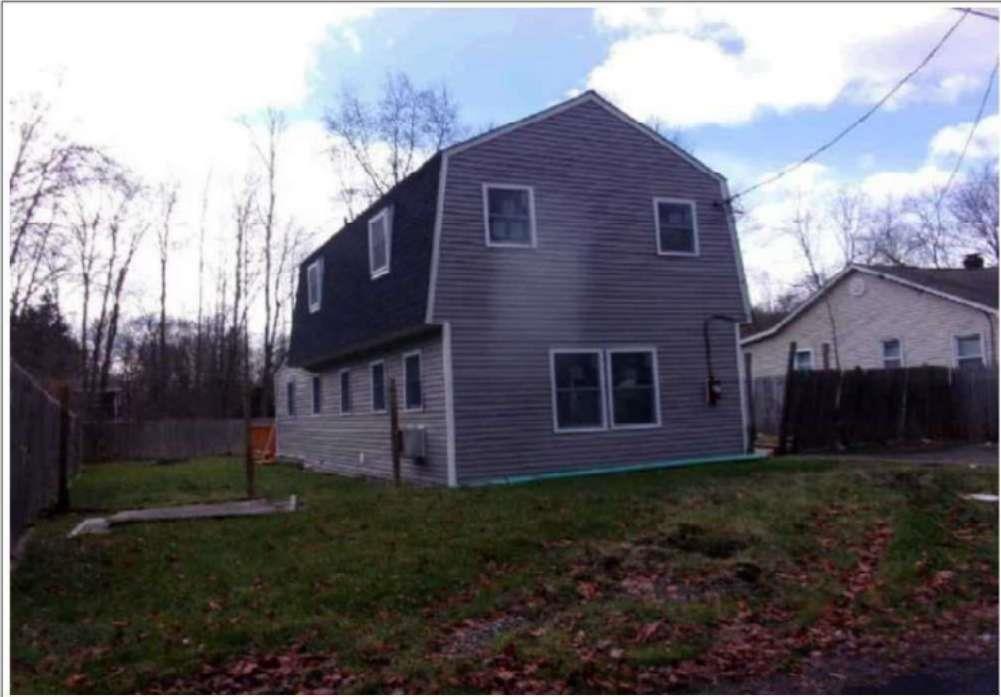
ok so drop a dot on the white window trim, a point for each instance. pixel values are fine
(955, 347)
(611, 388)
(340, 391)
(375, 273)
(695, 226)
(807, 351)
(531, 215)
(314, 303)
(420, 377)
(371, 388)
(882, 350)
(601, 388)
(312, 395)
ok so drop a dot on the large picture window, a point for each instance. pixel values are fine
(377, 371)
(509, 215)
(677, 227)
(379, 244)
(413, 398)
(578, 388)
(632, 383)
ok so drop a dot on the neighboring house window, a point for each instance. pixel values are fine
(290, 397)
(969, 351)
(803, 360)
(314, 284)
(509, 215)
(379, 244)
(345, 391)
(893, 354)
(377, 371)
(414, 398)
(633, 385)
(317, 394)
(578, 388)
(677, 228)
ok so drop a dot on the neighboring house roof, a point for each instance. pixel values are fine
(356, 313)
(976, 288)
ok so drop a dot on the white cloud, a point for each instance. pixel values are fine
(688, 65)
(948, 141)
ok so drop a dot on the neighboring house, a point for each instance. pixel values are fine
(538, 295)
(887, 317)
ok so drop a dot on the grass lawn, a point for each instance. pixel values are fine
(657, 581)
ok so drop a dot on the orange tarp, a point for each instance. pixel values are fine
(262, 442)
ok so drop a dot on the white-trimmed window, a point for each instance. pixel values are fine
(677, 227)
(632, 386)
(317, 394)
(893, 353)
(290, 397)
(413, 391)
(803, 360)
(314, 284)
(578, 385)
(379, 244)
(969, 351)
(345, 391)
(509, 215)
(377, 375)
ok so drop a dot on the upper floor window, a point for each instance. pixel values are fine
(379, 244)
(509, 215)
(677, 227)
(317, 394)
(969, 351)
(893, 354)
(377, 372)
(413, 399)
(290, 397)
(314, 284)
(803, 360)
(345, 391)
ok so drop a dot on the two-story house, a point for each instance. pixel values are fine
(545, 297)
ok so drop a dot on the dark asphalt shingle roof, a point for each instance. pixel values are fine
(975, 285)
(356, 311)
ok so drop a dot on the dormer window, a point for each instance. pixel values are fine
(509, 215)
(677, 227)
(379, 244)
(314, 284)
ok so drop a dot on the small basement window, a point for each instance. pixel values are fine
(677, 228)
(290, 397)
(509, 215)
(379, 244)
(414, 398)
(803, 359)
(893, 355)
(314, 284)
(578, 386)
(377, 372)
(345, 391)
(633, 378)
(969, 351)
(317, 394)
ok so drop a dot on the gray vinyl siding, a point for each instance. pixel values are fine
(332, 441)
(594, 280)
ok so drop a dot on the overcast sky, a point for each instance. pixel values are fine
(749, 89)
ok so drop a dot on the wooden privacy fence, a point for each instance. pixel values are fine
(828, 408)
(41, 431)
(163, 439)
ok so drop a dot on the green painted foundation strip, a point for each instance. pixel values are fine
(661, 464)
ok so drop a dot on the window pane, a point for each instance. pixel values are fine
(975, 362)
(290, 398)
(317, 395)
(508, 202)
(891, 349)
(804, 360)
(509, 214)
(378, 388)
(968, 346)
(892, 363)
(412, 377)
(345, 392)
(632, 388)
(677, 227)
(578, 390)
(379, 244)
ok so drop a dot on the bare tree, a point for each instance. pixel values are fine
(848, 213)
(388, 140)
(974, 205)
(167, 198)
(888, 238)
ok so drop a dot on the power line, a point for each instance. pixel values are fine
(969, 136)
(978, 13)
(857, 122)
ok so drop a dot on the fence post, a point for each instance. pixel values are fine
(63, 496)
(752, 424)
(787, 392)
(394, 431)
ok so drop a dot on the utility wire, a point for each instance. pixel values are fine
(969, 136)
(857, 122)
(978, 13)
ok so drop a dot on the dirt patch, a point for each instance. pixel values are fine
(715, 543)
(472, 636)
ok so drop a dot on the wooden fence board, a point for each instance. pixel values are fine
(163, 439)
